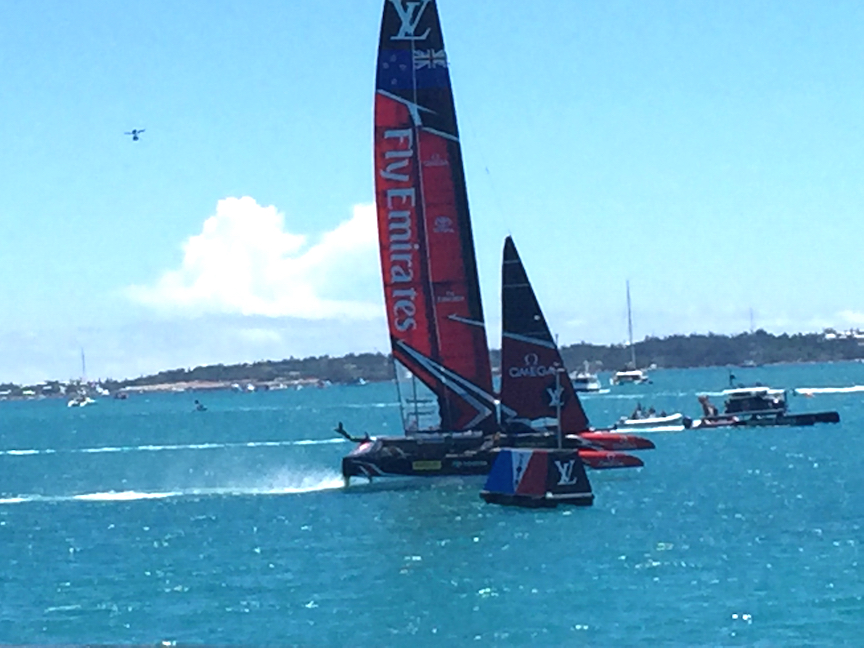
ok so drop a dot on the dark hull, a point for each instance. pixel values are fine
(457, 454)
(533, 501)
(790, 420)
(419, 457)
(793, 419)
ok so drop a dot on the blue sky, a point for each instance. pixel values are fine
(709, 152)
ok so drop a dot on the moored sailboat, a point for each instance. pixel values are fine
(81, 398)
(632, 375)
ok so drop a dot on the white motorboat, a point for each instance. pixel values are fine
(585, 381)
(630, 377)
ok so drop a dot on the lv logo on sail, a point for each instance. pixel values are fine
(565, 472)
(410, 14)
(556, 396)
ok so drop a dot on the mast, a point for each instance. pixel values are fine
(83, 367)
(630, 328)
(560, 430)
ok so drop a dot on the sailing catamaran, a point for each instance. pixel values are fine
(431, 287)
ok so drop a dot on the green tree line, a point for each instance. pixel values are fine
(680, 351)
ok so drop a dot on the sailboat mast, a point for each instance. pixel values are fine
(558, 371)
(83, 367)
(630, 328)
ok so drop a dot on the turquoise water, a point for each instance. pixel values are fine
(143, 521)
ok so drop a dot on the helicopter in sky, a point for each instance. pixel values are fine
(135, 132)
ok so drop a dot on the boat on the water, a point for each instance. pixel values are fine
(651, 419)
(431, 288)
(81, 399)
(585, 380)
(539, 410)
(665, 421)
(632, 375)
(629, 377)
(757, 406)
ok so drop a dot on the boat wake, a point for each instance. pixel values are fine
(812, 391)
(283, 482)
(161, 448)
(619, 396)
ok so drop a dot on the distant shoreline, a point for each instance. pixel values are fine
(210, 385)
(752, 349)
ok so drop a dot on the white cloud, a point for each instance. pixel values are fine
(245, 262)
(852, 317)
(260, 336)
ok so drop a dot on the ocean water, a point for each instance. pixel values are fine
(142, 521)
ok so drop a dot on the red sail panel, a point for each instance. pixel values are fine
(429, 268)
(456, 298)
(400, 229)
(534, 381)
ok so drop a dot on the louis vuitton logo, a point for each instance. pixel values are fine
(565, 472)
(556, 396)
(410, 13)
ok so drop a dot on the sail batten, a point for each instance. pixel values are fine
(530, 339)
(431, 287)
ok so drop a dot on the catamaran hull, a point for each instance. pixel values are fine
(607, 459)
(447, 455)
(617, 440)
(408, 457)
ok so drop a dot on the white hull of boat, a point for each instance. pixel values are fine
(582, 383)
(636, 377)
(80, 402)
(675, 421)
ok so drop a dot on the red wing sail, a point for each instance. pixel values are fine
(431, 288)
(534, 382)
